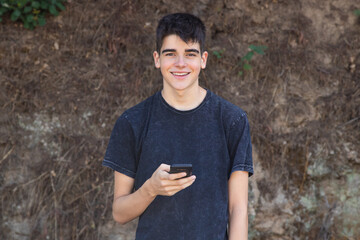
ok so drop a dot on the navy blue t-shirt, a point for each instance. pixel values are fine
(214, 137)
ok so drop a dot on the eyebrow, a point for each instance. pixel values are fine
(187, 50)
(168, 50)
(192, 50)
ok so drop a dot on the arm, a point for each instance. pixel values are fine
(128, 205)
(238, 201)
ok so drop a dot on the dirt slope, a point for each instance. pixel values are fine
(64, 85)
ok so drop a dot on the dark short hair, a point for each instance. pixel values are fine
(187, 26)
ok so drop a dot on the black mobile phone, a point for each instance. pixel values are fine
(178, 168)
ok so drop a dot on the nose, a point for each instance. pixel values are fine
(180, 61)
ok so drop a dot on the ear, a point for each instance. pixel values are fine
(156, 59)
(204, 57)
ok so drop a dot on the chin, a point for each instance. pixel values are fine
(181, 88)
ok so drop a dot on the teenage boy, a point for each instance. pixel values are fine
(183, 123)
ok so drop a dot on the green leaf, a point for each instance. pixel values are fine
(248, 56)
(0, 19)
(3, 10)
(60, 6)
(27, 9)
(53, 11)
(21, 3)
(258, 49)
(30, 18)
(247, 67)
(15, 15)
(24, 2)
(44, 5)
(240, 73)
(219, 53)
(26, 25)
(35, 4)
(357, 12)
(41, 21)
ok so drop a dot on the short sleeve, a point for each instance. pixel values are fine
(240, 148)
(120, 154)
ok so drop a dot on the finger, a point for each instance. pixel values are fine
(164, 175)
(187, 184)
(162, 171)
(186, 180)
(179, 182)
(174, 176)
(171, 190)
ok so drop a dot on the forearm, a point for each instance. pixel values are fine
(129, 207)
(238, 224)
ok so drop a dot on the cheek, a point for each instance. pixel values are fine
(196, 66)
(165, 64)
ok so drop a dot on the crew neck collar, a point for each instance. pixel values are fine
(168, 106)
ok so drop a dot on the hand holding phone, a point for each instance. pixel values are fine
(162, 183)
(178, 168)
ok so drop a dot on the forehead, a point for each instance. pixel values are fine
(175, 42)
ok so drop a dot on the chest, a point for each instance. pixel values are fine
(200, 141)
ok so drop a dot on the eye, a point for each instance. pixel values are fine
(192, 55)
(169, 54)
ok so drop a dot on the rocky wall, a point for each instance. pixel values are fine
(64, 85)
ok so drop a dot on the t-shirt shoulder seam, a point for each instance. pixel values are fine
(126, 118)
(237, 120)
(128, 113)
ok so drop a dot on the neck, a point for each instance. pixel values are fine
(185, 99)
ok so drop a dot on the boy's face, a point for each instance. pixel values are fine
(180, 63)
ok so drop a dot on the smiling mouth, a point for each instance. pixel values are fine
(180, 74)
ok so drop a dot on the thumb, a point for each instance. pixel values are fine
(164, 167)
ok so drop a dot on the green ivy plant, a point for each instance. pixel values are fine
(245, 61)
(357, 12)
(219, 53)
(31, 12)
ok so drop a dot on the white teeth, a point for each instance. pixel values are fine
(180, 74)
